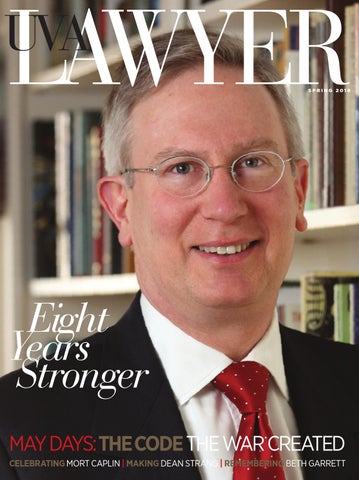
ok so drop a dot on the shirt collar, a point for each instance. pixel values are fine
(268, 352)
(177, 352)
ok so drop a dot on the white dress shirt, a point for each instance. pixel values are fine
(210, 418)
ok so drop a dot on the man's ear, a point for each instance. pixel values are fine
(112, 193)
(301, 186)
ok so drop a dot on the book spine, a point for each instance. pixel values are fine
(97, 213)
(83, 192)
(354, 312)
(350, 146)
(316, 306)
(44, 195)
(63, 169)
(342, 313)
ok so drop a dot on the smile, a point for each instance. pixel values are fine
(225, 250)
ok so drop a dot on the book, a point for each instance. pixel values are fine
(317, 301)
(94, 140)
(352, 104)
(346, 313)
(63, 170)
(107, 255)
(354, 311)
(342, 324)
(44, 198)
(82, 188)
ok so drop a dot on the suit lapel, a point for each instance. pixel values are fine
(150, 410)
(306, 393)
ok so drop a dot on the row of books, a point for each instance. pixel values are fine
(328, 113)
(324, 304)
(320, 108)
(326, 187)
(72, 234)
(330, 305)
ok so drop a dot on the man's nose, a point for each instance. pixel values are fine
(223, 199)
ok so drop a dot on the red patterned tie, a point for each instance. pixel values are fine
(246, 385)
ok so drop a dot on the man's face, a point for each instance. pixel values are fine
(217, 124)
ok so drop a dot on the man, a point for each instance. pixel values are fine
(207, 183)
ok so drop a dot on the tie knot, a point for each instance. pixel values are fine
(245, 384)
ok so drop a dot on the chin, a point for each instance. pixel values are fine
(218, 300)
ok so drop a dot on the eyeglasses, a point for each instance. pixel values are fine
(186, 176)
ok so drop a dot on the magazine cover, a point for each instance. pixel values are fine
(179, 222)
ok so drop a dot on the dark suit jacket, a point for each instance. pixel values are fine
(323, 384)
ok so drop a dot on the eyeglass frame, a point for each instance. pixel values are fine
(210, 169)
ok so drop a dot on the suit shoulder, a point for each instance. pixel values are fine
(315, 344)
(330, 363)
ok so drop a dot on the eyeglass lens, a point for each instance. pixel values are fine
(187, 176)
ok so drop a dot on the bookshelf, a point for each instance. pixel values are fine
(330, 242)
(94, 285)
(343, 221)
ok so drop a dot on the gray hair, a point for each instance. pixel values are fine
(184, 53)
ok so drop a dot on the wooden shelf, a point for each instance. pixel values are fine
(329, 223)
(329, 243)
(84, 286)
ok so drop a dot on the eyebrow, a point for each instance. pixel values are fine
(236, 150)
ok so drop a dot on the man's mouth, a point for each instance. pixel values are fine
(225, 250)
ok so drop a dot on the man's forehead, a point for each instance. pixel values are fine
(228, 81)
(245, 115)
(196, 71)
(235, 149)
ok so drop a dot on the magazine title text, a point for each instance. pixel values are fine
(27, 27)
